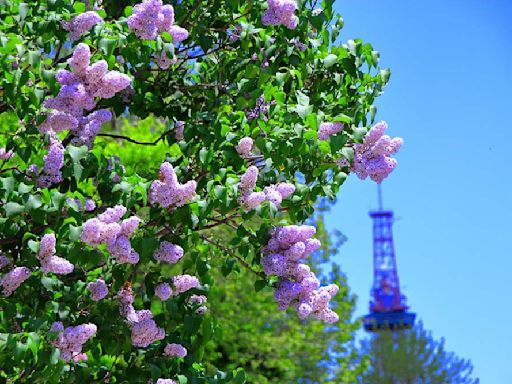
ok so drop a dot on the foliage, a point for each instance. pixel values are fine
(274, 347)
(413, 357)
(212, 85)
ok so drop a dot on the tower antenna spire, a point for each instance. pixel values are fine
(379, 188)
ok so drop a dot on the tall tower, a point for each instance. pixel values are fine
(388, 309)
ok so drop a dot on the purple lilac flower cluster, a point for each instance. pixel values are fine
(298, 286)
(13, 279)
(201, 300)
(70, 340)
(168, 192)
(151, 17)
(115, 162)
(298, 44)
(328, 129)
(81, 24)
(273, 193)
(175, 350)
(4, 261)
(244, 147)
(49, 262)
(90, 205)
(106, 229)
(183, 283)
(98, 289)
(144, 330)
(234, 34)
(5, 155)
(53, 163)
(168, 253)
(78, 93)
(165, 381)
(281, 12)
(179, 127)
(372, 157)
(163, 61)
(261, 107)
(342, 162)
(163, 291)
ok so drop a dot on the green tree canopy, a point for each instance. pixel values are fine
(413, 357)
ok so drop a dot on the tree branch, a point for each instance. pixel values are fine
(127, 138)
(231, 253)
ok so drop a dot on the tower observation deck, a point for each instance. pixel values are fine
(388, 308)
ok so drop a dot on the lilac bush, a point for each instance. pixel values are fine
(110, 243)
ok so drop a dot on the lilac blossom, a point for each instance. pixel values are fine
(71, 339)
(151, 17)
(108, 229)
(78, 93)
(328, 129)
(273, 193)
(168, 253)
(81, 24)
(98, 289)
(13, 279)
(163, 61)
(183, 283)
(49, 262)
(372, 157)
(5, 155)
(297, 286)
(260, 109)
(144, 330)
(281, 12)
(53, 163)
(175, 350)
(168, 192)
(179, 127)
(244, 147)
(201, 300)
(163, 291)
(4, 261)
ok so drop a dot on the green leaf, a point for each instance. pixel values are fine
(32, 202)
(330, 60)
(385, 75)
(13, 209)
(23, 10)
(7, 185)
(54, 357)
(107, 45)
(33, 246)
(34, 58)
(302, 99)
(259, 285)
(77, 153)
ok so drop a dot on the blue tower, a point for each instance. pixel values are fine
(388, 308)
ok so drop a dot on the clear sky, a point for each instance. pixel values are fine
(450, 98)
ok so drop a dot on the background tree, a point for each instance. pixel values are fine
(413, 357)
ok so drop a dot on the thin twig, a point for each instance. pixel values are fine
(184, 22)
(127, 138)
(231, 253)
(220, 222)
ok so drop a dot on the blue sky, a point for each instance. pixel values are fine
(450, 99)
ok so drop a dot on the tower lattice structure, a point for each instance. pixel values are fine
(388, 308)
